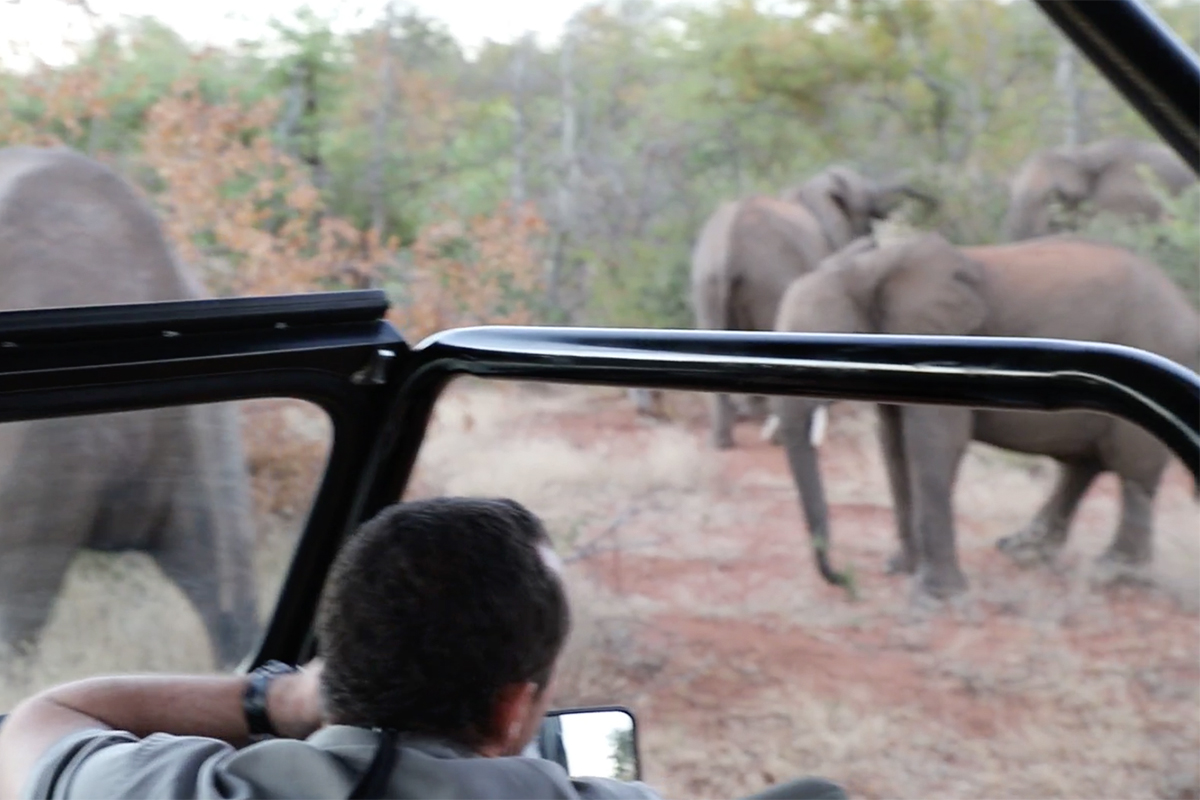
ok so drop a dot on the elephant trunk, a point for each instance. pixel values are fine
(801, 428)
(891, 194)
(1024, 220)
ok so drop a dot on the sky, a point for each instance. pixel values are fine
(41, 25)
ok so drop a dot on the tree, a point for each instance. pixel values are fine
(623, 756)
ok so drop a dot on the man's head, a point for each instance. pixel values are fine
(444, 617)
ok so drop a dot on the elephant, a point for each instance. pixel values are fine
(750, 250)
(169, 481)
(1105, 176)
(1054, 287)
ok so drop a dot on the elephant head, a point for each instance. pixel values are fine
(845, 202)
(1054, 188)
(750, 250)
(921, 285)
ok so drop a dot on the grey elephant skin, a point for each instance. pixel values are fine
(749, 251)
(1057, 287)
(172, 481)
(1108, 176)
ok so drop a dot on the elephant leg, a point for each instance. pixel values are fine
(31, 575)
(648, 402)
(1044, 536)
(1132, 546)
(722, 421)
(1140, 460)
(756, 407)
(48, 501)
(934, 441)
(206, 545)
(216, 587)
(890, 439)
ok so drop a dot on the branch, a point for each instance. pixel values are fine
(597, 544)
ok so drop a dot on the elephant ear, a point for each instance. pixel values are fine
(847, 191)
(1078, 171)
(920, 286)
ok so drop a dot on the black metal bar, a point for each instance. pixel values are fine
(1144, 59)
(68, 378)
(1001, 373)
(183, 317)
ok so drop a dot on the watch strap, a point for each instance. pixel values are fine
(254, 699)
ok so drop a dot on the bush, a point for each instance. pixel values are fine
(476, 271)
(1173, 242)
(650, 290)
(971, 205)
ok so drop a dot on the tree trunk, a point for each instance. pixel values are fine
(293, 109)
(520, 125)
(377, 171)
(1066, 77)
(569, 178)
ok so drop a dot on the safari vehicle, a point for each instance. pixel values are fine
(336, 351)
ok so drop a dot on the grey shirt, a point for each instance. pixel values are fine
(104, 763)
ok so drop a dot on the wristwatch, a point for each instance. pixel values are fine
(254, 699)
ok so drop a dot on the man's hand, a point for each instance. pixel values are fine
(294, 702)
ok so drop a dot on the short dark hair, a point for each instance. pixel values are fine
(431, 608)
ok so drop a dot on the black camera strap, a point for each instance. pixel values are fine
(373, 783)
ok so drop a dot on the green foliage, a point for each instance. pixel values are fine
(677, 106)
(1172, 243)
(644, 290)
(971, 204)
(624, 757)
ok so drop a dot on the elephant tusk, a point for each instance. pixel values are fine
(770, 428)
(820, 423)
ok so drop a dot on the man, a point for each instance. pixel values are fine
(439, 631)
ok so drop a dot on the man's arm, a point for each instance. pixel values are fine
(209, 706)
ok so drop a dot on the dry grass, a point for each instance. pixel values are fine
(575, 485)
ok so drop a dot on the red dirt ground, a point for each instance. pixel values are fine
(745, 669)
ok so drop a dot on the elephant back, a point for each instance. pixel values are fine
(1068, 287)
(73, 232)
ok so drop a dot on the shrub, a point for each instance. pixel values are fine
(1173, 242)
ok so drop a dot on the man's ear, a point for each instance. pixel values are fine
(510, 718)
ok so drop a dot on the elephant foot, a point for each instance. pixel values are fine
(941, 584)
(901, 563)
(1115, 568)
(1029, 548)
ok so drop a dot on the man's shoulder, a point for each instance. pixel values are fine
(512, 777)
(607, 789)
